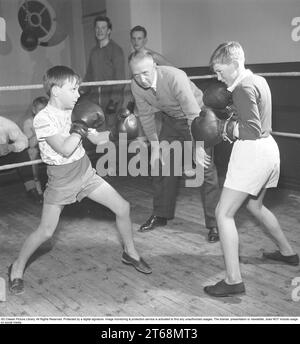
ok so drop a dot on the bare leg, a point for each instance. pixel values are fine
(33, 154)
(230, 202)
(36, 179)
(105, 194)
(267, 218)
(49, 220)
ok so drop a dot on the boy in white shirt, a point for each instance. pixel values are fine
(70, 174)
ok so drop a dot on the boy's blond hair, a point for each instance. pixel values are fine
(226, 53)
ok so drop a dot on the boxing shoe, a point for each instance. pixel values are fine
(222, 289)
(153, 222)
(292, 259)
(140, 265)
(213, 235)
(15, 286)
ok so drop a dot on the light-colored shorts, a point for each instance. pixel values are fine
(71, 182)
(253, 165)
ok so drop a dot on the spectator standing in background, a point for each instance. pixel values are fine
(106, 62)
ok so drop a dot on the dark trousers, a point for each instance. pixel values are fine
(166, 187)
(25, 172)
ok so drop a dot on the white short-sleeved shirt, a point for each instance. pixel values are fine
(51, 121)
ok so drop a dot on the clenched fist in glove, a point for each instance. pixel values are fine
(216, 96)
(11, 137)
(86, 115)
(209, 128)
(126, 124)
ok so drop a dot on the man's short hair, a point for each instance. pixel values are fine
(226, 53)
(103, 19)
(138, 28)
(57, 76)
(139, 55)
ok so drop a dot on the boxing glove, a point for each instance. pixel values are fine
(85, 115)
(226, 113)
(209, 128)
(126, 123)
(131, 106)
(216, 96)
(80, 128)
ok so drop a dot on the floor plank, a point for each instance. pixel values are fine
(79, 271)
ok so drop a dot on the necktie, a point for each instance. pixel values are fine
(153, 91)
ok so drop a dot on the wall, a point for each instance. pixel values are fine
(90, 9)
(22, 67)
(186, 31)
(119, 14)
(269, 30)
(125, 14)
(148, 14)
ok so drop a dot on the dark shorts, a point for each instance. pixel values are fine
(71, 182)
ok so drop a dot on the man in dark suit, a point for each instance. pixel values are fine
(169, 90)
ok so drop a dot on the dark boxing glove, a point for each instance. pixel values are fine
(131, 106)
(216, 96)
(79, 127)
(226, 113)
(126, 123)
(209, 128)
(85, 115)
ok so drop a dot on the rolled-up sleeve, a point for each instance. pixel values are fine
(44, 128)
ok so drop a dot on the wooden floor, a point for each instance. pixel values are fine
(80, 273)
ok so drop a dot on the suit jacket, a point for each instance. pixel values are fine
(176, 96)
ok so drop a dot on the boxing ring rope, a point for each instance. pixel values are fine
(124, 82)
(20, 164)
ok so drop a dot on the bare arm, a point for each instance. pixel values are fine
(30, 133)
(12, 135)
(62, 145)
